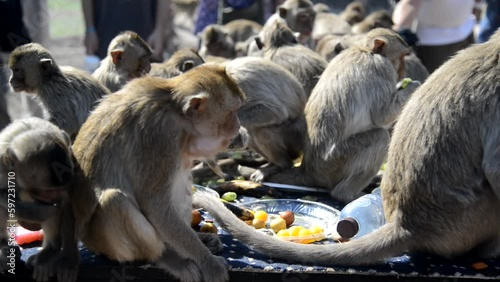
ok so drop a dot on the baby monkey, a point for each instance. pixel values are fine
(37, 174)
(66, 93)
(129, 57)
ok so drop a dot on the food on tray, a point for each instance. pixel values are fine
(196, 219)
(288, 216)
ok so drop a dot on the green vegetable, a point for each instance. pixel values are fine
(229, 196)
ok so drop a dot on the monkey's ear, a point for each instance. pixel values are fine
(339, 48)
(46, 65)
(379, 46)
(259, 43)
(195, 105)
(282, 11)
(116, 55)
(187, 65)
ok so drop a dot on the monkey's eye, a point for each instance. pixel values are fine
(16, 71)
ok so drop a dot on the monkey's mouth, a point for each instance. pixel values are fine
(17, 87)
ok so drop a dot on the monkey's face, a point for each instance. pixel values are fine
(44, 171)
(22, 79)
(304, 21)
(135, 64)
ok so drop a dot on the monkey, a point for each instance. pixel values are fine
(329, 23)
(321, 8)
(354, 13)
(180, 62)
(129, 57)
(242, 29)
(441, 187)
(299, 15)
(348, 114)
(332, 45)
(38, 177)
(67, 94)
(376, 19)
(282, 48)
(216, 41)
(414, 68)
(137, 148)
(273, 112)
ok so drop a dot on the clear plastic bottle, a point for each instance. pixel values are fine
(361, 216)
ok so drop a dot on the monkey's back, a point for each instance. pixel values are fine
(435, 160)
(342, 101)
(267, 83)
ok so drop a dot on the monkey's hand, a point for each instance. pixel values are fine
(211, 241)
(43, 263)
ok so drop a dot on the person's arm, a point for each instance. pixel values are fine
(405, 13)
(163, 28)
(91, 40)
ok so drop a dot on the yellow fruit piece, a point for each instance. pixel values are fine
(315, 229)
(277, 224)
(306, 233)
(258, 224)
(260, 215)
(283, 233)
(294, 230)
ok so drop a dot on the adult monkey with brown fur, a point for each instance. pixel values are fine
(68, 94)
(273, 112)
(129, 57)
(282, 48)
(443, 165)
(354, 13)
(38, 175)
(171, 122)
(180, 62)
(348, 113)
(374, 20)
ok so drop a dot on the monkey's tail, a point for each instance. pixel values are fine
(383, 243)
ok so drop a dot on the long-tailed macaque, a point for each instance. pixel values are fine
(329, 23)
(273, 112)
(216, 41)
(374, 20)
(282, 48)
(137, 149)
(67, 94)
(129, 57)
(38, 176)
(348, 113)
(354, 13)
(441, 187)
(180, 62)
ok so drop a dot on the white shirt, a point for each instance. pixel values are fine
(442, 22)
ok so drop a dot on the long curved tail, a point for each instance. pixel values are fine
(383, 243)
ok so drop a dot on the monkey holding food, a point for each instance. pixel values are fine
(441, 187)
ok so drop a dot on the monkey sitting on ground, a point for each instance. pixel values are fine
(273, 112)
(129, 57)
(66, 93)
(281, 47)
(348, 113)
(374, 20)
(329, 23)
(137, 149)
(180, 62)
(38, 176)
(441, 187)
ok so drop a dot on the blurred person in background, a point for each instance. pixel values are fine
(151, 19)
(490, 21)
(443, 27)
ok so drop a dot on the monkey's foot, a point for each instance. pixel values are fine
(185, 270)
(215, 269)
(67, 267)
(211, 241)
(258, 176)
